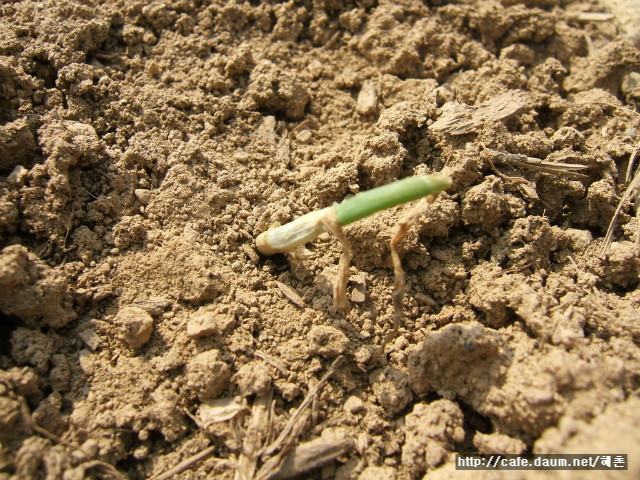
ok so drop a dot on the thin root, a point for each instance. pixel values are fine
(404, 225)
(330, 220)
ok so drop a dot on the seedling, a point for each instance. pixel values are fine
(306, 228)
(287, 238)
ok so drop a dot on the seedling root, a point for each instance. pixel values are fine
(404, 224)
(330, 220)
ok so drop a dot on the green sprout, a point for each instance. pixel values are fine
(307, 227)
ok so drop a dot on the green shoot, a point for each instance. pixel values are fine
(306, 228)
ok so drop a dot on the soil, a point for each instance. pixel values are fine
(143, 147)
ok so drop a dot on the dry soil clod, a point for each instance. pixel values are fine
(136, 325)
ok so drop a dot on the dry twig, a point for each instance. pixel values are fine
(274, 362)
(632, 162)
(257, 431)
(285, 435)
(519, 160)
(291, 294)
(313, 454)
(186, 464)
(631, 188)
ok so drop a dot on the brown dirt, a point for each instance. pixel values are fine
(145, 145)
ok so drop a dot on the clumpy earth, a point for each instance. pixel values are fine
(143, 147)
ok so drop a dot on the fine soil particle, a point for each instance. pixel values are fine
(145, 145)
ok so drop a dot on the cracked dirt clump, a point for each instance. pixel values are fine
(207, 375)
(33, 292)
(275, 90)
(433, 430)
(136, 325)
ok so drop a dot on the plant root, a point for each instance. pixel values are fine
(404, 224)
(330, 220)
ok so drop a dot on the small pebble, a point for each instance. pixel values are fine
(153, 69)
(378, 473)
(153, 305)
(291, 294)
(353, 405)
(367, 102)
(201, 325)
(329, 342)
(364, 354)
(87, 362)
(90, 339)
(207, 375)
(102, 292)
(391, 388)
(630, 81)
(303, 136)
(136, 325)
(143, 195)
(89, 448)
(18, 176)
(253, 379)
(359, 293)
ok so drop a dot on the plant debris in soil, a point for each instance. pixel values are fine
(145, 145)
